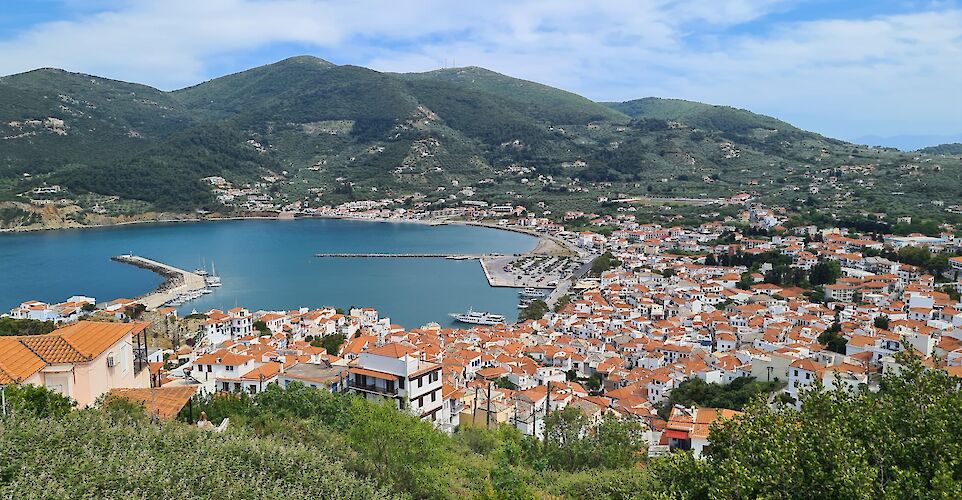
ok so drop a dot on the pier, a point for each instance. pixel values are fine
(176, 281)
(454, 256)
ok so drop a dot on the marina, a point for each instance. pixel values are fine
(178, 287)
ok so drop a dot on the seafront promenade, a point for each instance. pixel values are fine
(176, 281)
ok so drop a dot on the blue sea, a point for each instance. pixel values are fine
(269, 264)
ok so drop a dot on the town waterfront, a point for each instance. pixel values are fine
(270, 264)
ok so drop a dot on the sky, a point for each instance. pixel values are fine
(880, 71)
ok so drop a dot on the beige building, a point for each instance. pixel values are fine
(83, 360)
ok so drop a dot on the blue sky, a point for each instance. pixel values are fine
(885, 71)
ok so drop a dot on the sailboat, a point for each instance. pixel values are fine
(212, 280)
(202, 270)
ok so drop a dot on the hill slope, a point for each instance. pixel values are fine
(304, 132)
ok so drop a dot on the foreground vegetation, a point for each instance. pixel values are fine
(902, 442)
(12, 327)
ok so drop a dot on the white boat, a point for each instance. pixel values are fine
(212, 280)
(532, 293)
(478, 318)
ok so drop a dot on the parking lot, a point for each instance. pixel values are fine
(535, 271)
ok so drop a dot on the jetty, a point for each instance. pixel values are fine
(176, 281)
(454, 256)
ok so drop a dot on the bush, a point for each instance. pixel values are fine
(88, 455)
(35, 401)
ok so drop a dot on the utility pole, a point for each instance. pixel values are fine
(487, 415)
(474, 416)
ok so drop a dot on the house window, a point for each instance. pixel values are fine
(420, 381)
(400, 383)
(434, 396)
(230, 368)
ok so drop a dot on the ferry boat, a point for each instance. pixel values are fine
(478, 318)
(532, 293)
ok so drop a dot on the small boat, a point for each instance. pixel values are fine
(478, 318)
(532, 293)
(213, 280)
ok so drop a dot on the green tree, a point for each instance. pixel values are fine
(825, 272)
(832, 338)
(30, 400)
(261, 327)
(535, 311)
(11, 327)
(900, 442)
(881, 321)
(603, 263)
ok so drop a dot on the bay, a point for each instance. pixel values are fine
(270, 264)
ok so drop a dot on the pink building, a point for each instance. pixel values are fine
(83, 360)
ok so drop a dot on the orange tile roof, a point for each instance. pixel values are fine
(92, 338)
(53, 349)
(17, 363)
(392, 350)
(165, 401)
(21, 357)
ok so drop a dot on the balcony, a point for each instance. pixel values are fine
(389, 391)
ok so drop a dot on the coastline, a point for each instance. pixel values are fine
(545, 244)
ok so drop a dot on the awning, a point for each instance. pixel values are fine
(676, 434)
(373, 373)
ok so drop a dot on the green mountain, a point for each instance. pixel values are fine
(943, 149)
(306, 131)
(704, 116)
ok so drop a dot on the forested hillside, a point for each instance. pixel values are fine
(307, 132)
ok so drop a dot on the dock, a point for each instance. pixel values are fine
(454, 256)
(176, 281)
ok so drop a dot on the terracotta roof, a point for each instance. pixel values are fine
(21, 357)
(223, 357)
(92, 338)
(392, 350)
(17, 363)
(53, 349)
(165, 401)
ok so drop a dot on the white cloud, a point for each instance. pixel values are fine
(882, 75)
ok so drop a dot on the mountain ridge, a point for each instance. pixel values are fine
(328, 133)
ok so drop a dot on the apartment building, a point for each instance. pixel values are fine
(399, 372)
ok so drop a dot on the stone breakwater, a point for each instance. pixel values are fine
(176, 281)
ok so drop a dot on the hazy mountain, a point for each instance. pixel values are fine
(909, 142)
